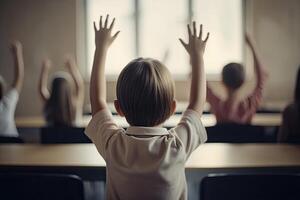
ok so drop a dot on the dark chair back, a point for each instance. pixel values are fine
(61, 135)
(294, 139)
(10, 139)
(16, 186)
(249, 187)
(29, 134)
(240, 133)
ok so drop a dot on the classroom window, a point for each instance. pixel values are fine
(151, 28)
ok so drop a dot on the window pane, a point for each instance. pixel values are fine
(123, 49)
(224, 20)
(161, 24)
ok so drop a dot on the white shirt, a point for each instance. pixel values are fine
(8, 105)
(146, 162)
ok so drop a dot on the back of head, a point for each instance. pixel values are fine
(59, 107)
(145, 91)
(233, 75)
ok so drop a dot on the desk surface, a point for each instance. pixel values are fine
(207, 119)
(207, 156)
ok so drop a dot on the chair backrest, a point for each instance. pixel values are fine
(29, 134)
(10, 139)
(249, 187)
(57, 135)
(240, 133)
(33, 186)
(294, 139)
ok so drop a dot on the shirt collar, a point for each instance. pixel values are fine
(151, 131)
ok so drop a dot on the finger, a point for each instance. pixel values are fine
(112, 24)
(183, 43)
(46, 63)
(106, 20)
(16, 43)
(200, 33)
(194, 28)
(115, 36)
(95, 28)
(100, 22)
(189, 30)
(207, 36)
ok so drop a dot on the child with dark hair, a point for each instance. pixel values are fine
(233, 75)
(146, 161)
(9, 98)
(290, 128)
(234, 109)
(63, 105)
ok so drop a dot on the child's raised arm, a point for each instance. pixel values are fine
(195, 48)
(79, 84)
(103, 40)
(43, 89)
(260, 71)
(19, 65)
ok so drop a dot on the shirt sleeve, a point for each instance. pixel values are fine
(191, 131)
(101, 129)
(10, 99)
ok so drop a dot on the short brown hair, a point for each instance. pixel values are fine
(233, 75)
(145, 91)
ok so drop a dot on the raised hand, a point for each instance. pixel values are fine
(103, 37)
(43, 80)
(16, 46)
(195, 45)
(260, 71)
(17, 52)
(72, 67)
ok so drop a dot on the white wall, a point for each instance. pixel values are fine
(276, 27)
(47, 29)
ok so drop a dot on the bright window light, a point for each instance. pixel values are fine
(123, 49)
(151, 28)
(224, 20)
(161, 24)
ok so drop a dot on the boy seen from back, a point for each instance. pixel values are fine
(146, 161)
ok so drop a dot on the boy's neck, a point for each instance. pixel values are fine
(232, 94)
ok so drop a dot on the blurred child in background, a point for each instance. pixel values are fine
(9, 98)
(234, 109)
(63, 103)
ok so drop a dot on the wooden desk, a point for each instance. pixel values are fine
(207, 119)
(225, 156)
(84, 160)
